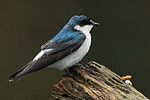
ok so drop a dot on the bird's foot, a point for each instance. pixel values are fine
(72, 72)
(79, 65)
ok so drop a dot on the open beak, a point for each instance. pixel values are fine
(94, 23)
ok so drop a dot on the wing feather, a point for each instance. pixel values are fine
(53, 51)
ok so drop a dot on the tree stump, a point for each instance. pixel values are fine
(94, 82)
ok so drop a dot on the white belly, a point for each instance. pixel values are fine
(75, 57)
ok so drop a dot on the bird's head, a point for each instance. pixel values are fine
(81, 23)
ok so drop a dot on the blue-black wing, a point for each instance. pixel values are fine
(55, 49)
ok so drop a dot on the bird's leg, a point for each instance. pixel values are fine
(79, 65)
(71, 71)
(68, 73)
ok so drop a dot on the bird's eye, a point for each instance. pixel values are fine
(85, 22)
(88, 22)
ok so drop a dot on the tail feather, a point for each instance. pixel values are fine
(32, 66)
(16, 75)
(21, 72)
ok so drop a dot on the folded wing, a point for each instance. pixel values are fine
(51, 52)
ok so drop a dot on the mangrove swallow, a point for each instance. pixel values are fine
(64, 50)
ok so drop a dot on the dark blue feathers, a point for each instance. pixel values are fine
(66, 35)
(77, 20)
(65, 39)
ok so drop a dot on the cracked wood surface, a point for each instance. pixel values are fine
(94, 82)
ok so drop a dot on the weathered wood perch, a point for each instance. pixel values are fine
(94, 82)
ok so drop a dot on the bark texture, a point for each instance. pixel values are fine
(94, 82)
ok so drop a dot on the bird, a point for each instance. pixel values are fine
(66, 49)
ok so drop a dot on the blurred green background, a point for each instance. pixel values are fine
(122, 42)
